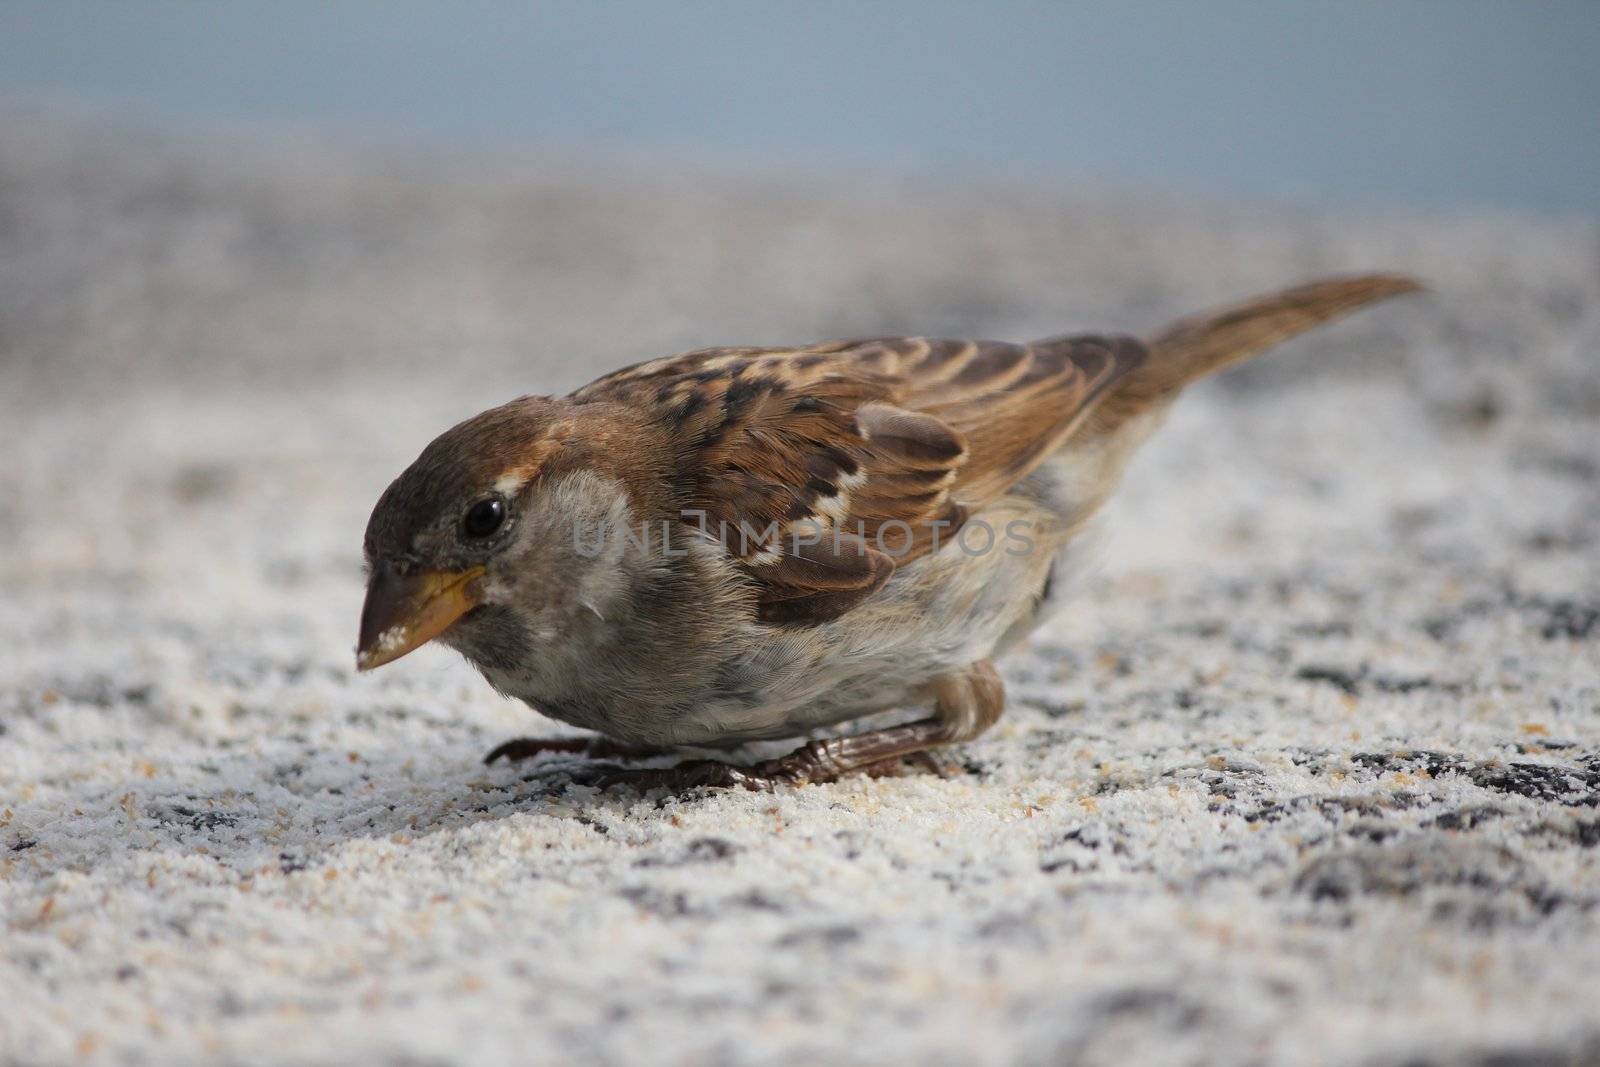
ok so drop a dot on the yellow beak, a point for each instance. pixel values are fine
(406, 611)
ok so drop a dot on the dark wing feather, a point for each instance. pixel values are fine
(821, 468)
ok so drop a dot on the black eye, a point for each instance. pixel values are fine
(484, 517)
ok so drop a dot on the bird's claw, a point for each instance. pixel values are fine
(688, 776)
(900, 766)
(794, 769)
(524, 748)
(815, 762)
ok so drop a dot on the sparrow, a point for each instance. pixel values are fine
(739, 544)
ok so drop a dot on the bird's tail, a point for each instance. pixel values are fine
(1194, 347)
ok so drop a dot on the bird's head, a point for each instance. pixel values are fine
(484, 532)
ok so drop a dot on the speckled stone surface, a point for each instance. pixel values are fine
(1309, 774)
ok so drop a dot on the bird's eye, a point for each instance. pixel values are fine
(484, 517)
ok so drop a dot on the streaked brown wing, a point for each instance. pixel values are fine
(821, 468)
(1014, 404)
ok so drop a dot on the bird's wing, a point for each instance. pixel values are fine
(821, 468)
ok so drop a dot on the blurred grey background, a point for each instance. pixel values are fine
(510, 197)
(1431, 102)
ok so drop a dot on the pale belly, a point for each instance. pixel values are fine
(972, 600)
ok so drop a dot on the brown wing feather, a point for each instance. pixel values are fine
(1010, 430)
(820, 468)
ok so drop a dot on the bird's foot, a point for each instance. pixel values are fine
(522, 748)
(916, 762)
(874, 754)
(682, 777)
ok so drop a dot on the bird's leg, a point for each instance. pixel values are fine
(522, 748)
(966, 703)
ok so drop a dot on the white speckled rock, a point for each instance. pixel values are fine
(1310, 774)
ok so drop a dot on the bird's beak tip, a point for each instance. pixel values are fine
(404, 612)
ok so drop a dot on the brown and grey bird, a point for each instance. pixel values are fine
(753, 543)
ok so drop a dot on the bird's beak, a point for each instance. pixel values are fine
(405, 611)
